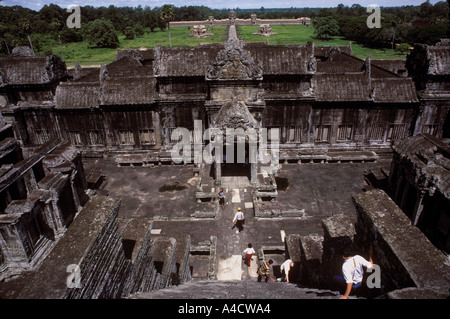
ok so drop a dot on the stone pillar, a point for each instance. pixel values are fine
(218, 180)
(397, 189)
(418, 208)
(254, 173)
(30, 181)
(56, 213)
(405, 194)
(15, 258)
(47, 214)
(72, 182)
(339, 233)
(311, 266)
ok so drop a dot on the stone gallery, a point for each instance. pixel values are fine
(320, 106)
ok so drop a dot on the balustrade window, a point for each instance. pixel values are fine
(294, 134)
(41, 136)
(376, 132)
(345, 133)
(95, 138)
(147, 137)
(322, 133)
(126, 137)
(273, 133)
(75, 138)
(396, 131)
(430, 129)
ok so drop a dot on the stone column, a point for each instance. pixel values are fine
(418, 208)
(15, 257)
(218, 180)
(56, 215)
(397, 189)
(254, 173)
(404, 197)
(72, 181)
(30, 181)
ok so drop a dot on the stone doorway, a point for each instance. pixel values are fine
(236, 160)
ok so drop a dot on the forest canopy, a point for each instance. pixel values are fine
(19, 26)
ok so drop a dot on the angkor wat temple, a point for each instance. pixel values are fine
(326, 106)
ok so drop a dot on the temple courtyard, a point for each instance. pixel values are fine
(166, 195)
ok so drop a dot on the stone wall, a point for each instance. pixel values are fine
(112, 258)
(93, 244)
(406, 257)
(410, 266)
(311, 262)
(164, 261)
(143, 272)
(103, 265)
(339, 233)
(40, 196)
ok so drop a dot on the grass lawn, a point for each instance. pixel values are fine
(301, 34)
(285, 34)
(79, 51)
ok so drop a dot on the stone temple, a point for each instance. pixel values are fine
(94, 204)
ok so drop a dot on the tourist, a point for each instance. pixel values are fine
(264, 270)
(248, 253)
(352, 272)
(239, 220)
(221, 198)
(286, 268)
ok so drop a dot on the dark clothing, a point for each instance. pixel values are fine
(239, 224)
(221, 199)
(340, 284)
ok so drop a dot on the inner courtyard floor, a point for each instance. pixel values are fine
(166, 194)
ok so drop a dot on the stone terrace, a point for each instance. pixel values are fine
(166, 194)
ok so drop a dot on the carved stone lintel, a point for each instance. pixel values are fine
(235, 114)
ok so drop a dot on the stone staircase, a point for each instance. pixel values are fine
(245, 289)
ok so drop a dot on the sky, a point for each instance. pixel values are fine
(215, 4)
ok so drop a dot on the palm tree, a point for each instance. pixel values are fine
(167, 15)
(26, 27)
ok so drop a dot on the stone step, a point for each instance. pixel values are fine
(246, 289)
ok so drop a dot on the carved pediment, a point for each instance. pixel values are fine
(235, 114)
(234, 63)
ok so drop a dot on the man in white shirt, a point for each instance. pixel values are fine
(238, 220)
(286, 268)
(353, 272)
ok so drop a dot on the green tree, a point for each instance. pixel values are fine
(402, 48)
(71, 35)
(325, 27)
(167, 15)
(139, 30)
(101, 33)
(150, 19)
(448, 26)
(129, 33)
